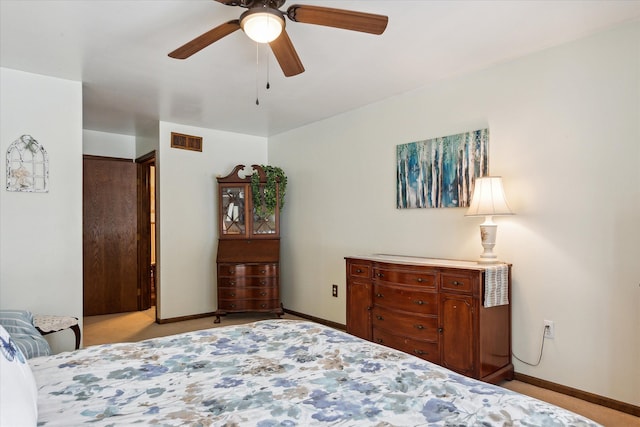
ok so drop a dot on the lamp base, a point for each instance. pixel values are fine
(488, 231)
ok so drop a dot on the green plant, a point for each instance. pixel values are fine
(265, 201)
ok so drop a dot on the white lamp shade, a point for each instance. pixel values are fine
(488, 198)
(262, 26)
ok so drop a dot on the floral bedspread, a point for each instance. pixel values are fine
(271, 373)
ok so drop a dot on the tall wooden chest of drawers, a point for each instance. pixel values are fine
(248, 259)
(433, 309)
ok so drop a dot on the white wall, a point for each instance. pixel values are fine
(187, 221)
(41, 233)
(564, 135)
(106, 144)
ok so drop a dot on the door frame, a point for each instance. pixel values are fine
(144, 164)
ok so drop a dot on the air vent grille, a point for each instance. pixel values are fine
(186, 142)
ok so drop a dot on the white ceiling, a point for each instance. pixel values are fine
(118, 49)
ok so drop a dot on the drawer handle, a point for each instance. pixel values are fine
(379, 295)
(232, 271)
(419, 302)
(419, 326)
(263, 293)
(358, 270)
(263, 271)
(380, 340)
(263, 305)
(420, 279)
(263, 282)
(379, 317)
(233, 294)
(417, 351)
(440, 330)
(380, 275)
(233, 306)
(456, 283)
(232, 282)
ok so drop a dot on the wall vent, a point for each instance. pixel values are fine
(186, 142)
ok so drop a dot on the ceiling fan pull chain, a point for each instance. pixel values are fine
(257, 69)
(268, 85)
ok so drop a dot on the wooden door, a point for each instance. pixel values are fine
(109, 236)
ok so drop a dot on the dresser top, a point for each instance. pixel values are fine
(414, 260)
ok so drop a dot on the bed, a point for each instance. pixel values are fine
(271, 373)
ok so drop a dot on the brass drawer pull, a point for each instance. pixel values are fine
(419, 302)
(233, 306)
(380, 340)
(420, 279)
(233, 294)
(263, 293)
(379, 295)
(263, 305)
(358, 270)
(232, 282)
(380, 275)
(456, 283)
(419, 327)
(379, 317)
(263, 271)
(417, 351)
(232, 271)
(440, 330)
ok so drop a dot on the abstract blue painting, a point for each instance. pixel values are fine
(439, 172)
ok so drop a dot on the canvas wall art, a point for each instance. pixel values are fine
(439, 172)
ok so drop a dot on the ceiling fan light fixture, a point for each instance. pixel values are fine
(262, 25)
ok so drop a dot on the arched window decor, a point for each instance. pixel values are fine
(27, 166)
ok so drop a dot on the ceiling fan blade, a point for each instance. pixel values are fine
(338, 18)
(200, 42)
(286, 55)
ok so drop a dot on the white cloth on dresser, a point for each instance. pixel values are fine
(496, 287)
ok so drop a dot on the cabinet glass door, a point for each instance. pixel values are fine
(263, 222)
(233, 210)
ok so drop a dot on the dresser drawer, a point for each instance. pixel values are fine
(243, 282)
(406, 325)
(359, 270)
(404, 298)
(248, 305)
(456, 282)
(413, 277)
(260, 270)
(425, 350)
(248, 293)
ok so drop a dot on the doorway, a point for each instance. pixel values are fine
(147, 248)
(119, 235)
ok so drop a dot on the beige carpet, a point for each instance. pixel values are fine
(137, 326)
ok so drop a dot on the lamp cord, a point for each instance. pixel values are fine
(539, 357)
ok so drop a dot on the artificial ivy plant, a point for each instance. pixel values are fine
(265, 201)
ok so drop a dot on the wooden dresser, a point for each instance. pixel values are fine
(248, 257)
(433, 309)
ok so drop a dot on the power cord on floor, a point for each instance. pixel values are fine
(544, 330)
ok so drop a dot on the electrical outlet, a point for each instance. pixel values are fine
(549, 329)
(334, 290)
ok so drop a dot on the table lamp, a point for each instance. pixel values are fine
(488, 200)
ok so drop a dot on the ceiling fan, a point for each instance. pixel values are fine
(265, 23)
